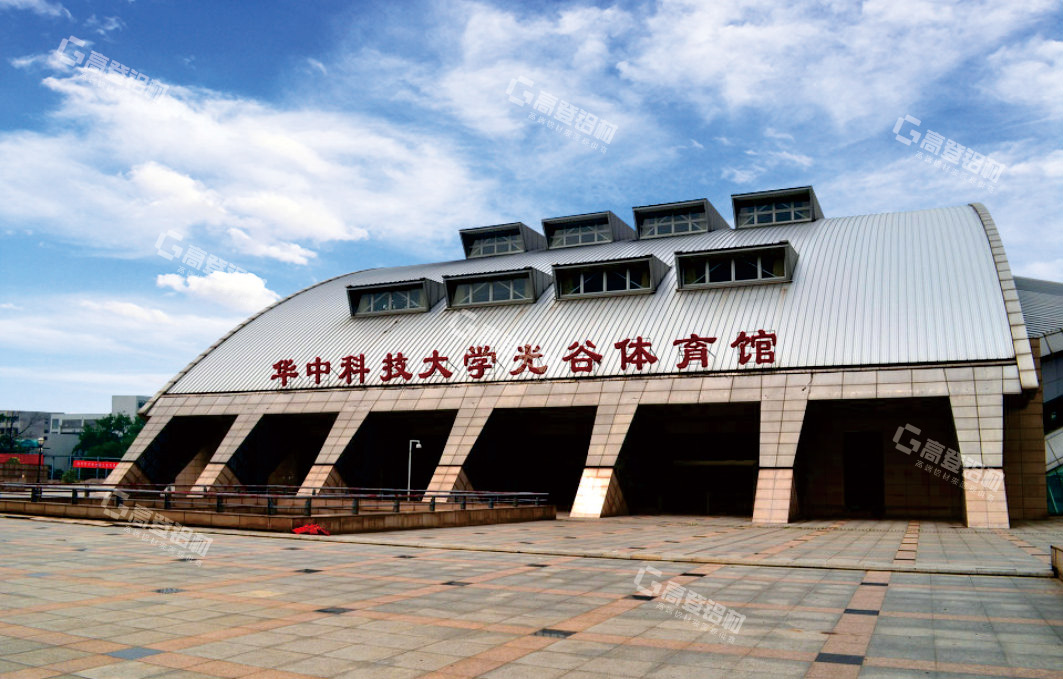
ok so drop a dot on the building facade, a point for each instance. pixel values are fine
(791, 366)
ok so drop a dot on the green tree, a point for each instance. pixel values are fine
(109, 436)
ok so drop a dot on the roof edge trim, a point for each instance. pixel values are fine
(1023, 350)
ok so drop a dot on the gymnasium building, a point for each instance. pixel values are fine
(792, 366)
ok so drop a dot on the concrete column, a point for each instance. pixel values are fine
(599, 490)
(324, 473)
(599, 494)
(977, 401)
(783, 400)
(217, 472)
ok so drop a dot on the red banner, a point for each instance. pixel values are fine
(24, 458)
(95, 464)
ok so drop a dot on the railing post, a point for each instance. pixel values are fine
(35, 494)
(167, 502)
(396, 508)
(308, 510)
(432, 504)
(491, 502)
(271, 506)
(73, 496)
(463, 498)
(219, 503)
(516, 501)
(354, 505)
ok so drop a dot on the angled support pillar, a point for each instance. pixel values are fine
(449, 474)
(324, 473)
(977, 402)
(782, 413)
(599, 492)
(128, 472)
(217, 471)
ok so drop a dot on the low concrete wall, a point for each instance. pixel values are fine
(333, 523)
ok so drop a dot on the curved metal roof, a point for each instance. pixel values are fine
(1042, 305)
(898, 288)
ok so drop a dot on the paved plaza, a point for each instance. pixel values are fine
(537, 600)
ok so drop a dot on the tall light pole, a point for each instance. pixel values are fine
(409, 466)
(40, 457)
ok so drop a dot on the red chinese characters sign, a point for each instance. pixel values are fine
(95, 464)
(481, 361)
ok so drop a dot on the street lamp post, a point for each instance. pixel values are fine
(409, 467)
(40, 457)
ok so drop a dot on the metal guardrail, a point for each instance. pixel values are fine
(270, 500)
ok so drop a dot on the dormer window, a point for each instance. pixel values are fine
(781, 212)
(580, 233)
(496, 290)
(674, 222)
(498, 287)
(501, 239)
(736, 266)
(400, 297)
(391, 300)
(495, 245)
(639, 275)
(677, 219)
(769, 208)
(589, 229)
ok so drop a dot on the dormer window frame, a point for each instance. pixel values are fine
(783, 252)
(655, 269)
(430, 292)
(781, 207)
(700, 212)
(535, 283)
(515, 233)
(608, 229)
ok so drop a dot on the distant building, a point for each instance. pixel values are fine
(24, 424)
(793, 365)
(1042, 306)
(65, 429)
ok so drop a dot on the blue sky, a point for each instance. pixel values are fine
(289, 142)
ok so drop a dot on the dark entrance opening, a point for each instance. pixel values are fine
(280, 450)
(378, 455)
(542, 450)
(183, 448)
(849, 466)
(691, 459)
(862, 465)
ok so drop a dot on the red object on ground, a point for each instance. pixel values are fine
(311, 529)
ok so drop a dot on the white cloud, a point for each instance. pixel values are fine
(1030, 74)
(243, 292)
(105, 25)
(42, 7)
(1051, 270)
(796, 60)
(10, 306)
(270, 182)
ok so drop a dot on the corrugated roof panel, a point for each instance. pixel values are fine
(900, 288)
(1042, 305)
